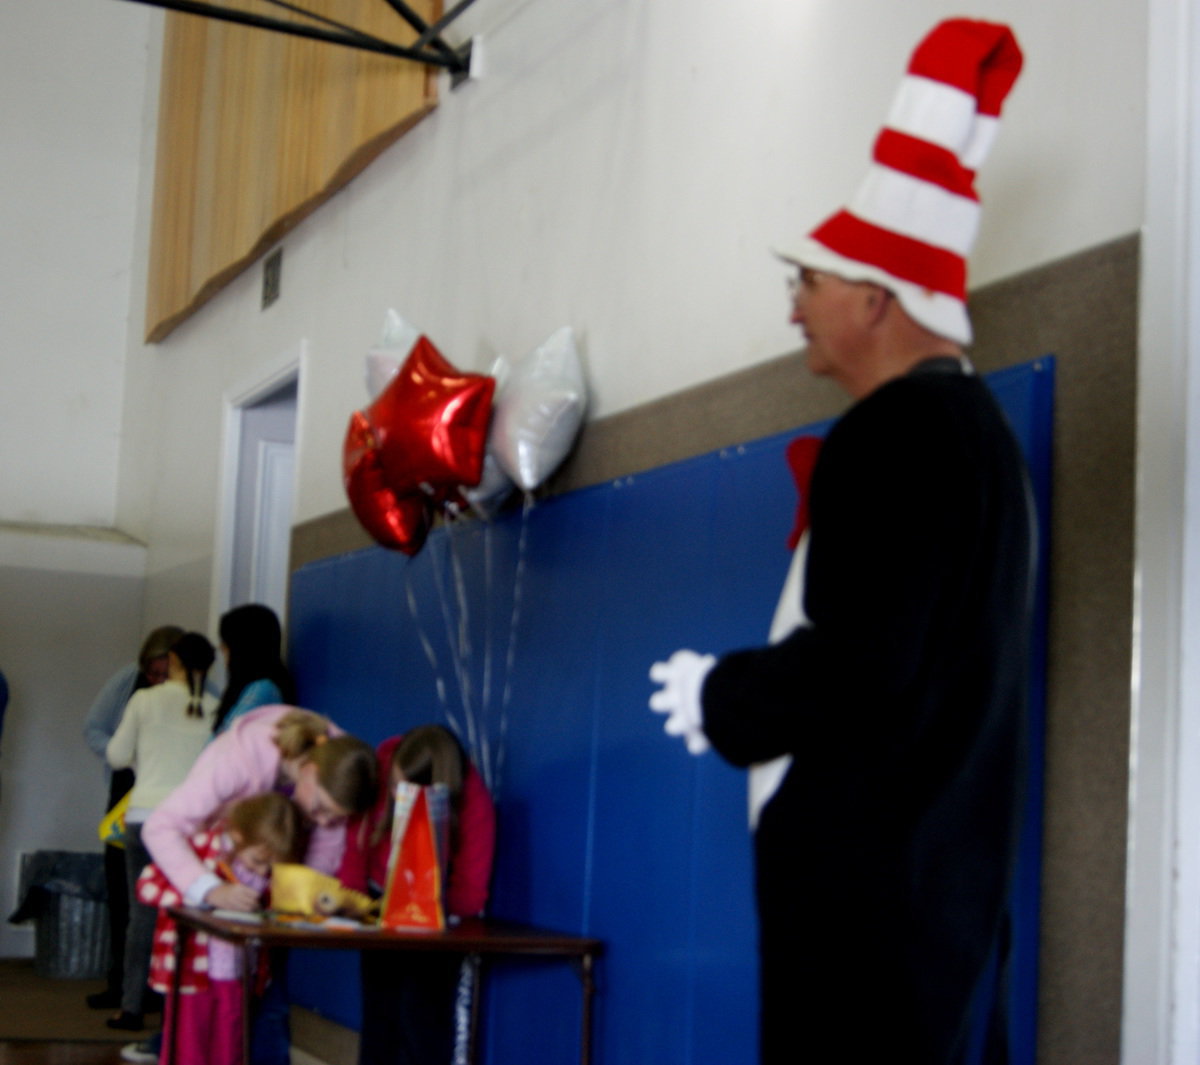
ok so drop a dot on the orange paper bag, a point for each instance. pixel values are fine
(416, 868)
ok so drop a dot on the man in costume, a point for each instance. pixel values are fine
(886, 720)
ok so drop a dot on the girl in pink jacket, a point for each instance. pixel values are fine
(330, 776)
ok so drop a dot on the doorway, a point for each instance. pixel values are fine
(259, 493)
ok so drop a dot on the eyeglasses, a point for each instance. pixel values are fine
(805, 280)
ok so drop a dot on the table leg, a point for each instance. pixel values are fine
(587, 979)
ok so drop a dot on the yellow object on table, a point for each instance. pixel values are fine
(301, 889)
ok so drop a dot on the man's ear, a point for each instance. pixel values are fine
(878, 300)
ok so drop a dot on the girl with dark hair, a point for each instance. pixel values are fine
(251, 639)
(408, 1003)
(101, 722)
(162, 731)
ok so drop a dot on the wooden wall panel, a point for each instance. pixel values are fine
(256, 129)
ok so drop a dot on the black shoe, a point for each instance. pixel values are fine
(108, 999)
(152, 1002)
(126, 1022)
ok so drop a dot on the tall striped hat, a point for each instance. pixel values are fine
(913, 220)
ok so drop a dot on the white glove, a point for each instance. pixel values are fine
(682, 677)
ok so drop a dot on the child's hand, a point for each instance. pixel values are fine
(232, 897)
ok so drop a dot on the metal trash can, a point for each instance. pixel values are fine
(65, 893)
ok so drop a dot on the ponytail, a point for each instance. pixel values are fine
(298, 731)
(345, 765)
(196, 655)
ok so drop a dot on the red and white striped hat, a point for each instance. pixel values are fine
(911, 225)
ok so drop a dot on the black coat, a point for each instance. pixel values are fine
(884, 859)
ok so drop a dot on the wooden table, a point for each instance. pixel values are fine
(474, 938)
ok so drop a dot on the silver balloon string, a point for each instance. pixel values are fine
(485, 744)
(458, 639)
(483, 755)
(513, 628)
(427, 647)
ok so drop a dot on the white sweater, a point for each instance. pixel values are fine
(160, 741)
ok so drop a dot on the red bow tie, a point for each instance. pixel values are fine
(801, 458)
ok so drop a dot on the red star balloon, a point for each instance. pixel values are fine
(422, 438)
(431, 423)
(399, 521)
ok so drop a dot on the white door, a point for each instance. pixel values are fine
(273, 524)
(265, 430)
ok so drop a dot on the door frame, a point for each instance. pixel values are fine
(288, 367)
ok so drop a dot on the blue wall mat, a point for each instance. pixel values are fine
(535, 633)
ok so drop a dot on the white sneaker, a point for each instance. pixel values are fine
(143, 1053)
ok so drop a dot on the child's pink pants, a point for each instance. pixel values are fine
(210, 1026)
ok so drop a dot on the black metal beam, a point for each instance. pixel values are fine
(441, 55)
(347, 30)
(432, 33)
(417, 23)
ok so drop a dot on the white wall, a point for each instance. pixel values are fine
(73, 77)
(72, 95)
(624, 167)
(70, 616)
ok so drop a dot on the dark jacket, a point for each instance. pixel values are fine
(884, 859)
